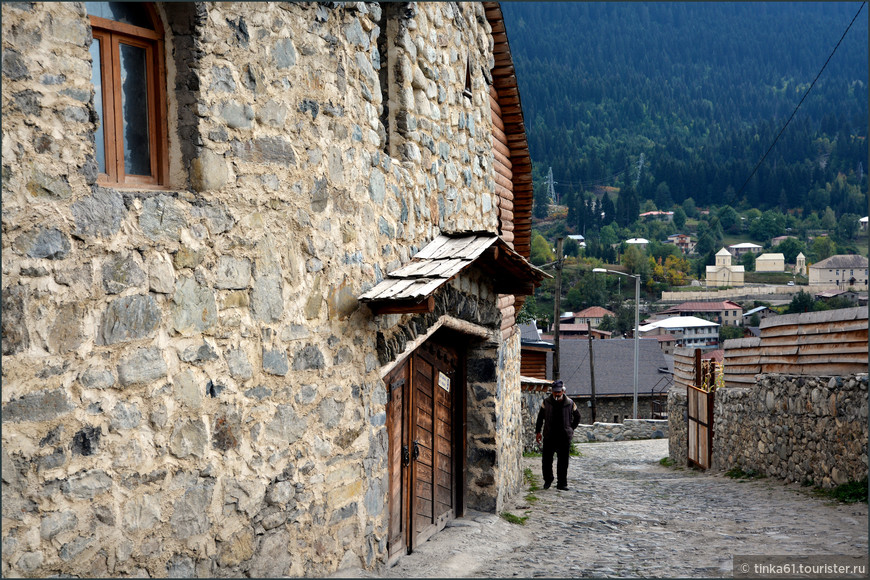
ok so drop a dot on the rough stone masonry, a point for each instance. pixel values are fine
(189, 385)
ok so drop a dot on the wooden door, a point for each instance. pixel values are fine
(424, 446)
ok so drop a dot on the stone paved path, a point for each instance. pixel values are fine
(625, 515)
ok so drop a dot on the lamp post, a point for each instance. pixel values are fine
(636, 322)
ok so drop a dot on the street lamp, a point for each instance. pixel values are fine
(636, 321)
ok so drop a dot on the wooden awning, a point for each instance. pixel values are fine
(411, 288)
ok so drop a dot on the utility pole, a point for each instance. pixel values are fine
(592, 375)
(557, 307)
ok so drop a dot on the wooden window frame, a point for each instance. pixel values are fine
(111, 35)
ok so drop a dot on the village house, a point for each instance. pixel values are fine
(261, 263)
(725, 312)
(682, 241)
(592, 316)
(690, 331)
(843, 271)
(614, 388)
(738, 250)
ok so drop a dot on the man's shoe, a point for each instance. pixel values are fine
(547, 484)
(562, 487)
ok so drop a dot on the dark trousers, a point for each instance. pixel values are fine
(560, 448)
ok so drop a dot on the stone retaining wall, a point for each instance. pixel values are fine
(678, 442)
(628, 430)
(797, 428)
(802, 429)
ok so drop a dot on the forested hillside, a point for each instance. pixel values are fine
(701, 90)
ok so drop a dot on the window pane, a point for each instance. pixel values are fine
(97, 78)
(134, 104)
(126, 12)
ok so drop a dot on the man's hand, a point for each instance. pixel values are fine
(537, 437)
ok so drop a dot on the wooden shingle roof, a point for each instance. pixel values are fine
(411, 287)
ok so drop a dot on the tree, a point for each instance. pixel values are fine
(822, 247)
(541, 203)
(829, 219)
(663, 196)
(848, 226)
(769, 225)
(679, 218)
(800, 302)
(754, 320)
(528, 312)
(572, 248)
(747, 260)
(790, 248)
(690, 208)
(729, 219)
(541, 253)
(727, 332)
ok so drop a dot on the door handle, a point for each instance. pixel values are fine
(416, 453)
(406, 458)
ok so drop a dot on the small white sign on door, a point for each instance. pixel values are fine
(443, 381)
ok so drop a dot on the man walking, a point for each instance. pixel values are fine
(559, 417)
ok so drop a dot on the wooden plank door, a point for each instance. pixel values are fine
(423, 446)
(434, 474)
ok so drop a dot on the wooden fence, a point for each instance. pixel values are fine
(827, 343)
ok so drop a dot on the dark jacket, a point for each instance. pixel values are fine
(547, 415)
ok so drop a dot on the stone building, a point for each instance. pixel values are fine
(613, 367)
(724, 273)
(842, 271)
(203, 204)
(770, 262)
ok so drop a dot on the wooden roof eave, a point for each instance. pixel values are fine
(510, 273)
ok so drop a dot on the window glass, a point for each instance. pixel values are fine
(97, 78)
(126, 12)
(134, 103)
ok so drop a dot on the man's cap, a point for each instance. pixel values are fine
(557, 386)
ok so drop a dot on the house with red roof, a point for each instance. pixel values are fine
(592, 316)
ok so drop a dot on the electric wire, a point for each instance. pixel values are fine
(801, 102)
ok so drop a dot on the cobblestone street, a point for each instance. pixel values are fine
(626, 515)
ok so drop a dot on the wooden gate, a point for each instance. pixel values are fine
(700, 417)
(423, 417)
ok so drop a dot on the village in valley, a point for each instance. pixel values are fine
(286, 286)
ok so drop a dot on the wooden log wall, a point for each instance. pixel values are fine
(827, 343)
(534, 364)
(511, 162)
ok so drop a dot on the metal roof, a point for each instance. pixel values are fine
(678, 322)
(614, 366)
(446, 256)
(842, 261)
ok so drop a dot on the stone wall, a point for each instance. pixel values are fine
(628, 430)
(189, 384)
(608, 408)
(802, 429)
(531, 403)
(678, 434)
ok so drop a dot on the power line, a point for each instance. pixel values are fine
(801, 102)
